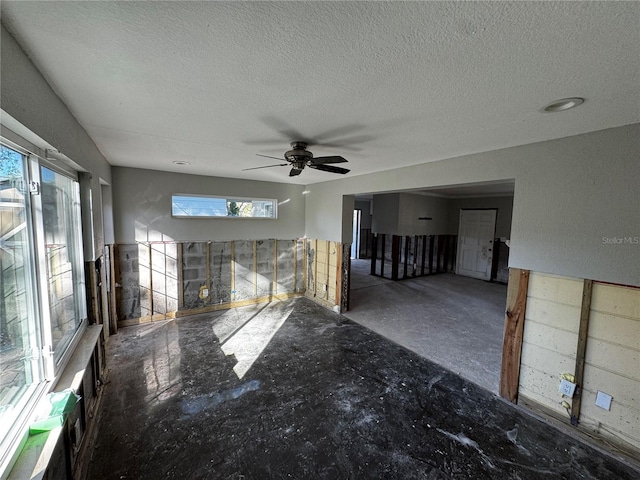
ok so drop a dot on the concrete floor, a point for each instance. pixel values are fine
(291, 390)
(458, 322)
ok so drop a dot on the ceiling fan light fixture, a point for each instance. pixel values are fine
(563, 104)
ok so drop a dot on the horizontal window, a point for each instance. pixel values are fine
(226, 207)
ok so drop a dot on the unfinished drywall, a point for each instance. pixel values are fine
(573, 197)
(162, 280)
(550, 348)
(142, 208)
(324, 277)
(550, 338)
(613, 363)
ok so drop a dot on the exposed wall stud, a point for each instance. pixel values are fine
(233, 271)
(255, 268)
(583, 332)
(180, 267)
(514, 328)
(274, 288)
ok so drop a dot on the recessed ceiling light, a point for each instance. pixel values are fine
(563, 104)
(178, 162)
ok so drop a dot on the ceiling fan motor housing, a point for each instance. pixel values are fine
(299, 156)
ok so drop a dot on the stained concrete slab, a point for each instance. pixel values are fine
(322, 398)
(455, 321)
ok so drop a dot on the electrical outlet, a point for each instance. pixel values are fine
(567, 388)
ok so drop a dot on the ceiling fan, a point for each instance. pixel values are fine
(299, 157)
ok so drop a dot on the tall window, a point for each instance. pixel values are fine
(21, 368)
(65, 280)
(42, 290)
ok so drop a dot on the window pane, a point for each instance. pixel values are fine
(65, 277)
(205, 206)
(20, 366)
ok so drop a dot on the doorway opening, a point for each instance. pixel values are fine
(355, 244)
(449, 306)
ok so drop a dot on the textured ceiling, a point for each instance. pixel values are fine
(384, 84)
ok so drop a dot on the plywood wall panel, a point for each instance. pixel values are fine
(618, 330)
(547, 361)
(560, 290)
(616, 300)
(613, 363)
(622, 423)
(550, 337)
(560, 315)
(626, 390)
(613, 358)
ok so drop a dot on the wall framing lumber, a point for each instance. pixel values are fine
(432, 240)
(513, 333)
(583, 333)
(208, 267)
(339, 257)
(180, 275)
(115, 275)
(395, 256)
(274, 282)
(374, 253)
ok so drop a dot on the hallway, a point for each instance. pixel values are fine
(455, 321)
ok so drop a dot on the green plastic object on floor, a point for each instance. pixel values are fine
(59, 405)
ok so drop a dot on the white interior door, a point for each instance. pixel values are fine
(475, 243)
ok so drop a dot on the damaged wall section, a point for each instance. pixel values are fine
(160, 280)
(607, 363)
(324, 273)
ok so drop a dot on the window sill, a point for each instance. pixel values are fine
(36, 454)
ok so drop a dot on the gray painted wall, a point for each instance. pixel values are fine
(413, 207)
(365, 207)
(29, 105)
(503, 219)
(400, 213)
(385, 213)
(571, 195)
(142, 208)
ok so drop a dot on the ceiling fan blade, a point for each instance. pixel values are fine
(266, 166)
(294, 172)
(330, 135)
(269, 156)
(329, 168)
(330, 159)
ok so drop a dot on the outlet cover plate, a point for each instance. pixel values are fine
(603, 400)
(567, 388)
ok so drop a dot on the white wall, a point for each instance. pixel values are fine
(504, 205)
(31, 109)
(142, 208)
(570, 193)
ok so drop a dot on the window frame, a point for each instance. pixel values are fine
(227, 198)
(51, 368)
